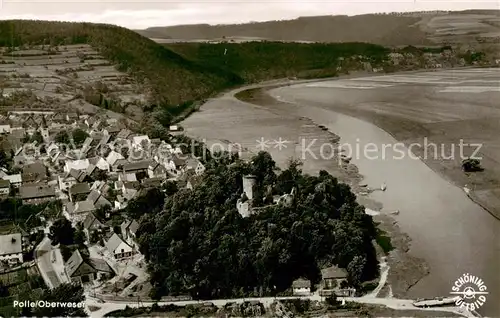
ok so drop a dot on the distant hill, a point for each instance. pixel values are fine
(175, 76)
(418, 28)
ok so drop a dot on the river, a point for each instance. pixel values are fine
(453, 234)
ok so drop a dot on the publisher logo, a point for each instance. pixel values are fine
(471, 292)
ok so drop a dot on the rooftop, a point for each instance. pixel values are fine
(80, 188)
(333, 272)
(301, 283)
(36, 191)
(10, 244)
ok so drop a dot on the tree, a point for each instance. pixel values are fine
(194, 233)
(170, 187)
(66, 252)
(61, 232)
(79, 136)
(69, 293)
(62, 137)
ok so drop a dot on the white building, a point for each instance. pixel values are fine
(113, 156)
(11, 248)
(118, 247)
(301, 287)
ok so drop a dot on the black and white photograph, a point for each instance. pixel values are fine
(250, 158)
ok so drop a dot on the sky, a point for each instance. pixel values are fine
(143, 14)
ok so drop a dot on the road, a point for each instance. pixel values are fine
(398, 304)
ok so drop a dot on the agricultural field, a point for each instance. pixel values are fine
(58, 77)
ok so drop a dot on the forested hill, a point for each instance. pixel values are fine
(180, 74)
(174, 79)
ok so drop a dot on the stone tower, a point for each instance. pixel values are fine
(249, 184)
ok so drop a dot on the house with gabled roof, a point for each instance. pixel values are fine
(194, 164)
(129, 229)
(37, 193)
(34, 172)
(11, 249)
(79, 210)
(112, 157)
(82, 270)
(157, 170)
(78, 191)
(118, 247)
(96, 197)
(14, 179)
(80, 164)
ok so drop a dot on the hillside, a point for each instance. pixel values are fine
(418, 28)
(258, 61)
(172, 79)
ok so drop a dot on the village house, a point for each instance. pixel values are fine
(99, 201)
(11, 248)
(130, 189)
(4, 128)
(92, 223)
(112, 131)
(152, 183)
(81, 164)
(157, 170)
(143, 169)
(141, 142)
(175, 164)
(85, 270)
(78, 191)
(196, 165)
(128, 229)
(301, 287)
(124, 134)
(36, 193)
(332, 277)
(79, 210)
(34, 172)
(118, 247)
(112, 157)
(126, 177)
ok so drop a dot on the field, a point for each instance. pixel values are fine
(54, 77)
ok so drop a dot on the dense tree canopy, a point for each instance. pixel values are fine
(61, 232)
(69, 293)
(199, 244)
